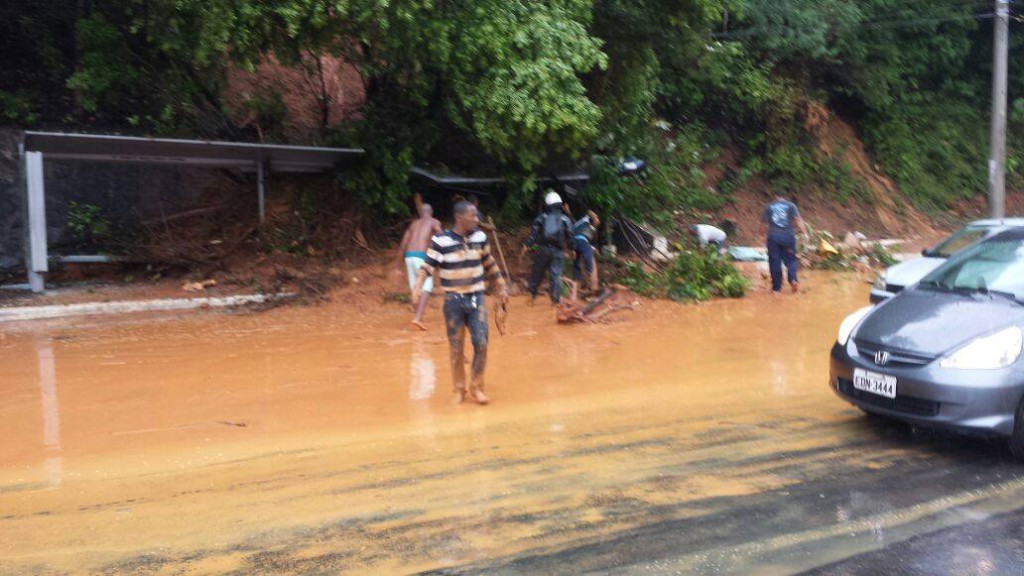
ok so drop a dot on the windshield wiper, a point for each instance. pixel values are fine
(937, 285)
(992, 294)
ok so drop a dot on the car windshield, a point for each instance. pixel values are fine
(990, 267)
(958, 241)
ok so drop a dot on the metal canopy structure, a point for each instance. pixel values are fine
(578, 178)
(102, 148)
(258, 158)
(570, 183)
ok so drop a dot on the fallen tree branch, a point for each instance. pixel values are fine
(361, 241)
(181, 215)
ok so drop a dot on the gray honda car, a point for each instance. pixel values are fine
(946, 351)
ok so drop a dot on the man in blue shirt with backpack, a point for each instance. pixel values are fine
(551, 234)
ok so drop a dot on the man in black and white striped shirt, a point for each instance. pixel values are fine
(461, 258)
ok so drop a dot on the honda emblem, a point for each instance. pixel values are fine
(881, 357)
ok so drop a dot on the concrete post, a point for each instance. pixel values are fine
(997, 147)
(37, 260)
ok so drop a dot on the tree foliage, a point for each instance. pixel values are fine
(516, 87)
(504, 76)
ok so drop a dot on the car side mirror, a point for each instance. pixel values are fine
(926, 252)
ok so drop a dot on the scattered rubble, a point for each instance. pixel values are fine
(612, 299)
(823, 250)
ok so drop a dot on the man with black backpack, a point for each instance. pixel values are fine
(551, 235)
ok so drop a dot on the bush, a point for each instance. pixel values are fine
(694, 275)
(17, 108)
(87, 223)
(883, 256)
(935, 150)
(797, 166)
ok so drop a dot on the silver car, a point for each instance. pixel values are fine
(946, 351)
(897, 277)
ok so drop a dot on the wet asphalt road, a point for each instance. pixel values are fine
(940, 510)
(681, 439)
(994, 545)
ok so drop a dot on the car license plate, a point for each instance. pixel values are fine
(874, 383)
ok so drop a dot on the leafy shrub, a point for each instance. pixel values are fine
(105, 74)
(884, 257)
(89, 227)
(934, 150)
(17, 108)
(694, 275)
(639, 280)
(796, 166)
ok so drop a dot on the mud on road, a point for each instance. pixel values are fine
(693, 439)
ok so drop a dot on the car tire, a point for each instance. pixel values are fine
(1016, 441)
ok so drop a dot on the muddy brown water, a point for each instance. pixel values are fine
(322, 439)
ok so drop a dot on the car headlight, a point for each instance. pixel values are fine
(880, 280)
(998, 350)
(851, 322)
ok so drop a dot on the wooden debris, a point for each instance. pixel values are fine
(570, 310)
(198, 286)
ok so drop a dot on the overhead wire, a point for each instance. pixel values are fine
(870, 24)
(927, 6)
(766, 31)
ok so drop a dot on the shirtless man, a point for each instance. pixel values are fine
(414, 250)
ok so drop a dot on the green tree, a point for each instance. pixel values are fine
(652, 47)
(512, 87)
(504, 75)
(798, 30)
(908, 72)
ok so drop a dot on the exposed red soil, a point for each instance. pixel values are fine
(887, 214)
(316, 93)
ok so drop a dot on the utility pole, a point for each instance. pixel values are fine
(997, 149)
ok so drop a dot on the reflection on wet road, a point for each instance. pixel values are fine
(692, 439)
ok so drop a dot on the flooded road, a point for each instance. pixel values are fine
(681, 439)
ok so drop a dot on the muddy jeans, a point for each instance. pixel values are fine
(548, 259)
(584, 258)
(462, 312)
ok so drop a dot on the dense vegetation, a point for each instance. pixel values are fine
(519, 87)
